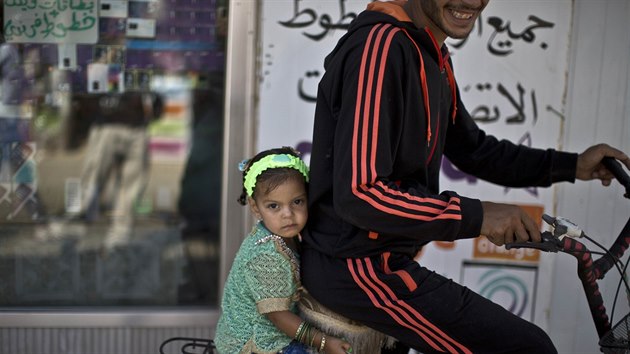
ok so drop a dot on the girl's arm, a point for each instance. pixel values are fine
(289, 323)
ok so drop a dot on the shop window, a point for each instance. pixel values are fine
(111, 140)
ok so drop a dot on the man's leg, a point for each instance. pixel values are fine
(99, 159)
(395, 295)
(134, 178)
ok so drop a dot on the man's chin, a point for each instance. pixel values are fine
(460, 34)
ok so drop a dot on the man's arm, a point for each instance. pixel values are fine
(371, 185)
(504, 223)
(382, 145)
(501, 161)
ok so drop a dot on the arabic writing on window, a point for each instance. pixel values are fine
(51, 21)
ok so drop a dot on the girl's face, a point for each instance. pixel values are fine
(283, 210)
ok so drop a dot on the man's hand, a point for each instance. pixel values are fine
(589, 163)
(506, 223)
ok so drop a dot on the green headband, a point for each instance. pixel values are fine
(272, 161)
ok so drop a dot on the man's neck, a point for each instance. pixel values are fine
(414, 11)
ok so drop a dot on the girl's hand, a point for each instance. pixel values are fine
(335, 345)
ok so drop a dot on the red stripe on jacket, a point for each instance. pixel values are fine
(363, 162)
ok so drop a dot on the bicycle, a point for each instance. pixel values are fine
(563, 238)
(189, 345)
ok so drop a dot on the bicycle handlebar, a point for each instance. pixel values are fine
(588, 270)
(615, 167)
(616, 251)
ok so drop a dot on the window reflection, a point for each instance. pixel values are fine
(110, 159)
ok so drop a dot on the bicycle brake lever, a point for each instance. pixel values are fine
(549, 243)
(546, 247)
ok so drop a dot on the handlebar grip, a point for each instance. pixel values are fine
(617, 170)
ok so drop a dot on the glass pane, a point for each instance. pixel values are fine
(111, 139)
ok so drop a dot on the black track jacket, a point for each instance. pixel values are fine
(387, 111)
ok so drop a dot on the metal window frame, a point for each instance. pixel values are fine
(239, 141)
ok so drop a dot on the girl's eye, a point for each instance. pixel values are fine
(272, 206)
(299, 201)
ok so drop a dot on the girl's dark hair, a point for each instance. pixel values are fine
(273, 177)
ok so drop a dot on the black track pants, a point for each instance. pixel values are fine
(395, 295)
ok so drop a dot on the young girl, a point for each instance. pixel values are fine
(260, 295)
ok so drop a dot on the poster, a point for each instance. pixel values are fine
(50, 21)
(511, 286)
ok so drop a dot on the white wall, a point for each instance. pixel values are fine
(597, 111)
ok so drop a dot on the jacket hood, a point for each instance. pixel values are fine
(392, 8)
(392, 12)
(382, 12)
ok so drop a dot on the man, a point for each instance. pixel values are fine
(388, 110)
(117, 146)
